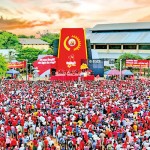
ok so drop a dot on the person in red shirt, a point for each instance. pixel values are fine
(13, 142)
(53, 147)
(82, 143)
(78, 147)
(45, 143)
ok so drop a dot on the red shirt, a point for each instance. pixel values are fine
(13, 142)
(82, 145)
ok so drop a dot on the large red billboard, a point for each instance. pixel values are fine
(45, 63)
(72, 49)
(138, 63)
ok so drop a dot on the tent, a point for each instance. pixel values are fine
(127, 72)
(106, 72)
(12, 72)
(113, 72)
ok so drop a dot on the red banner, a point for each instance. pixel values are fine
(72, 49)
(21, 64)
(45, 63)
(138, 63)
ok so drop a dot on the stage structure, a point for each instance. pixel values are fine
(70, 52)
(72, 49)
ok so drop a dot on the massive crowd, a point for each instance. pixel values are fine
(102, 115)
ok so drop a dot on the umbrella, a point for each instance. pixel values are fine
(83, 66)
(106, 72)
(113, 72)
(127, 72)
(12, 71)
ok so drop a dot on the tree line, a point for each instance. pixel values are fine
(11, 41)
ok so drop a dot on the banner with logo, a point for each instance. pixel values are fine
(72, 49)
(45, 63)
(21, 64)
(138, 63)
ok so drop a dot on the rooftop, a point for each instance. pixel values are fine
(140, 37)
(122, 26)
(26, 41)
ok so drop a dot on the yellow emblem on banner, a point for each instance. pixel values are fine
(72, 41)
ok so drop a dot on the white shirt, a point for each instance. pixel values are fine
(79, 140)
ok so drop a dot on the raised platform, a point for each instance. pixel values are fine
(71, 78)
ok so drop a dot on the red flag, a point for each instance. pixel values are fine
(72, 49)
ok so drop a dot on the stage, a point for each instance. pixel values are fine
(71, 78)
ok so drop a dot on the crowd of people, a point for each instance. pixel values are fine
(87, 115)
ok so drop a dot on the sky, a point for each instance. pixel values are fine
(33, 17)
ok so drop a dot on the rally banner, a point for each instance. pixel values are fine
(72, 49)
(45, 63)
(138, 63)
(21, 64)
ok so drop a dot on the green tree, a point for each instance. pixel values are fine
(9, 41)
(31, 54)
(25, 36)
(124, 57)
(3, 65)
(148, 58)
(50, 37)
(47, 52)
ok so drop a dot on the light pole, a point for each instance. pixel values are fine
(120, 68)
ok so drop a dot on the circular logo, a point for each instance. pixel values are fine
(90, 61)
(72, 42)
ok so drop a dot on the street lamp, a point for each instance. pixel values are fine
(120, 68)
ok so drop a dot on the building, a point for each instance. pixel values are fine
(34, 43)
(9, 54)
(109, 41)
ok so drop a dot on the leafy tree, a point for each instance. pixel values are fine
(25, 36)
(148, 58)
(50, 37)
(31, 54)
(124, 57)
(9, 41)
(3, 64)
(47, 52)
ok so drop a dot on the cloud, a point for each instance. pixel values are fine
(20, 1)
(141, 1)
(145, 18)
(67, 1)
(5, 10)
(11, 24)
(32, 15)
(64, 14)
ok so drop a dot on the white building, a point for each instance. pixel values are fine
(109, 41)
(9, 54)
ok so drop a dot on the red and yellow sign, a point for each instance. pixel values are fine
(138, 63)
(21, 64)
(72, 49)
